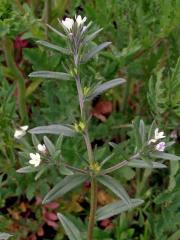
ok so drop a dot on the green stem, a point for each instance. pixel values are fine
(93, 202)
(93, 205)
(9, 56)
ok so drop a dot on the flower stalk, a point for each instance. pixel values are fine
(76, 42)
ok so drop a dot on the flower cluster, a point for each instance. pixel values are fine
(68, 23)
(157, 136)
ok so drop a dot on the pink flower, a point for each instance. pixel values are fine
(160, 146)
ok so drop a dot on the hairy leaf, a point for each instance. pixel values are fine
(71, 230)
(64, 186)
(50, 74)
(27, 169)
(57, 32)
(53, 129)
(93, 35)
(115, 187)
(54, 47)
(105, 86)
(166, 156)
(94, 51)
(116, 208)
(142, 164)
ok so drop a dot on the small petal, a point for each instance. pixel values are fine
(41, 148)
(19, 133)
(68, 23)
(160, 146)
(35, 159)
(24, 128)
(80, 21)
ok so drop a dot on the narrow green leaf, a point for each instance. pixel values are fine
(49, 145)
(65, 171)
(54, 47)
(105, 86)
(5, 236)
(115, 187)
(116, 208)
(71, 230)
(64, 186)
(53, 129)
(142, 164)
(142, 130)
(57, 32)
(92, 36)
(94, 51)
(35, 140)
(50, 74)
(27, 169)
(166, 156)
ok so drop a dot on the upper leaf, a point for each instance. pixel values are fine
(50, 74)
(65, 185)
(105, 86)
(115, 187)
(54, 47)
(27, 169)
(53, 129)
(71, 230)
(94, 51)
(57, 32)
(92, 36)
(166, 156)
(142, 164)
(116, 208)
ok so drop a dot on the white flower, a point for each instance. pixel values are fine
(35, 159)
(160, 146)
(41, 148)
(157, 135)
(20, 132)
(68, 23)
(80, 20)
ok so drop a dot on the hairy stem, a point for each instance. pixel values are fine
(9, 56)
(93, 207)
(93, 202)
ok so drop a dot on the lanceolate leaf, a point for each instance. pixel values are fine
(92, 36)
(115, 187)
(105, 86)
(71, 230)
(143, 164)
(94, 51)
(5, 236)
(49, 145)
(57, 32)
(53, 129)
(27, 169)
(54, 47)
(116, 208)
(50, 74)
(166, 156)
(64, 186)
